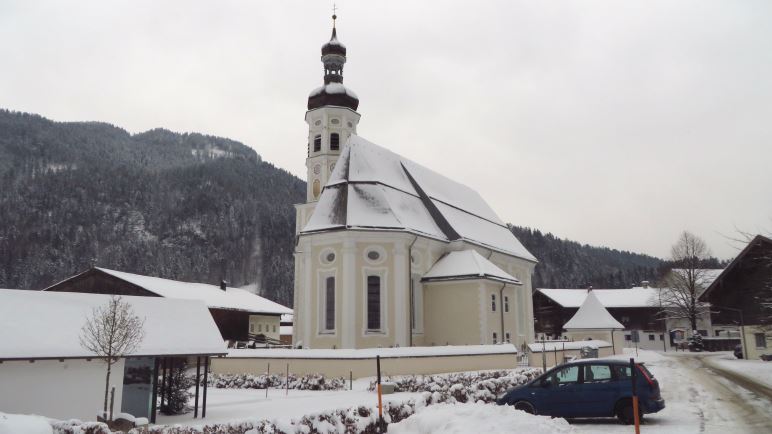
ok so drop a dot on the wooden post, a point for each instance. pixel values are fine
(198, 383)
(380, 399)
(350, 380)
(154, 402)
(634, 379)
(163, 381)
(206, 385)
(287, 392)
(267, 380)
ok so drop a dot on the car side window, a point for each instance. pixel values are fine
(565, 376)
(622, 372)
(597, 373)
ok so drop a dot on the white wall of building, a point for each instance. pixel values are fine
(70, 389)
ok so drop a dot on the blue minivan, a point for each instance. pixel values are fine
(588, 388)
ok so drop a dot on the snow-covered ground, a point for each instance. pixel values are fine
(24, 424)
(230, 405)
(697, 400)
(755, 370)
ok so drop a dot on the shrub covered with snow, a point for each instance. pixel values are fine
(462, 387)
(249, 381)
(75, 426)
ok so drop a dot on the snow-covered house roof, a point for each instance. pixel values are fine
(592, 315)
(373, 188)
(42, 324)
(464, 265)
(212, 295)
(631, 297)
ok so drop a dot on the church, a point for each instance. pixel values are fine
(392, 254)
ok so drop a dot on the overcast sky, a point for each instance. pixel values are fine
(610, 123)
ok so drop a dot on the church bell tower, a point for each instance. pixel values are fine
(331, 117)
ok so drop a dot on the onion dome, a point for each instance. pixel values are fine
(333, 93)
(334, 46)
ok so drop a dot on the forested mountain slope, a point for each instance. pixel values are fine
(568, 264)
(180, 206)
(190, 207)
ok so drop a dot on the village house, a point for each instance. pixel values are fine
(742, 295)
(637, 309)
(44, 369)
(239, 314)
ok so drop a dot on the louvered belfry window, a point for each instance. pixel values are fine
(317, 143)
(334, 142)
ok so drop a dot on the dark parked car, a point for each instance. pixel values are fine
(588, 388)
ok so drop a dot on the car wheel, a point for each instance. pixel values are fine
(525, 406)
(625, 412)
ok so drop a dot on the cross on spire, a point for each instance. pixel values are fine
(334, 16)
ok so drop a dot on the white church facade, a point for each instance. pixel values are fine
(390, 253)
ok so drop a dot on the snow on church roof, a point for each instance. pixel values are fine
(43, 324)
(467, 264)
(212, 295)
(374, 188)
(592, 315)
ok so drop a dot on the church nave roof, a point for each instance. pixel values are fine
(374, 188)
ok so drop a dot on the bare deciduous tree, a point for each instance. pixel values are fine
(112, 331)
(681, 287)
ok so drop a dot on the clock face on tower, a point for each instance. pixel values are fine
(317, 169)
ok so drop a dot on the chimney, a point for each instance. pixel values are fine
(223, 285)
(645, 284)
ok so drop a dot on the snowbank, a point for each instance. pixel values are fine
(754, 370)
(482, 418)
(22, 423)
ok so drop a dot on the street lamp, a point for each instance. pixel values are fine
(742, 327)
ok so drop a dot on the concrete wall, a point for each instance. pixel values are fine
(70, 389)
(366, 367)
(559, 356)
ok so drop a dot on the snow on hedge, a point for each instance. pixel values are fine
(477, 417)
(485, 386)
(249, 381)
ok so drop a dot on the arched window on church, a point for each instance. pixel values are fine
(317, 143)
(506, 304)
(316, 188)
(373, 302)
(334, 142)
(329, 303)
(493, 302)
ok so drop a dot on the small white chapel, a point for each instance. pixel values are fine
(392, 254)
